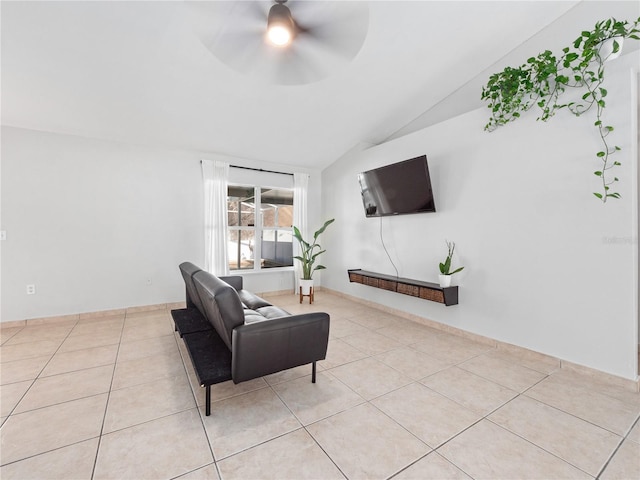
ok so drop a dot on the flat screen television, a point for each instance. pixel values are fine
(397, 189)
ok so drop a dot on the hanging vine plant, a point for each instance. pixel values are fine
(542, 80)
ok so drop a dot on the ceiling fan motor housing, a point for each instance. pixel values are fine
(280, 16)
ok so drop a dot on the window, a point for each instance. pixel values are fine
(264, 214)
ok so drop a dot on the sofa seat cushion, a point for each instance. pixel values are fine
(272, 312)
(251, 316)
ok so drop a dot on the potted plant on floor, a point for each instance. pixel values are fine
(445, 267)
(308, 256)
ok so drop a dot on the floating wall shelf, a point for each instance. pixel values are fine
(406, 286)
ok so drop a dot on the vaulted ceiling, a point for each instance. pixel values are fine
(139, 72)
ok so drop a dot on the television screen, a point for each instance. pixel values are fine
(397, 189)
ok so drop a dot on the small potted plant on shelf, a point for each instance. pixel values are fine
(308, 256)
(445, 268)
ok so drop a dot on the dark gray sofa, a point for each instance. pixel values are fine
(230, 333)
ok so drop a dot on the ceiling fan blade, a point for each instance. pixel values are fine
(339, 27)
(331, 34)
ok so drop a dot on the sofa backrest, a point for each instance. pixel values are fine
(188, 270)
(222, 306)
(234, 280)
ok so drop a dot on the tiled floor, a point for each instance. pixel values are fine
(112, 398)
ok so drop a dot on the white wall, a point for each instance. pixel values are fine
(90, 221)
(547, 266)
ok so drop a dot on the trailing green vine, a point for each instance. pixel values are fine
(544, 78)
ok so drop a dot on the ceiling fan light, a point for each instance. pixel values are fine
(279, 36)
(280, 25)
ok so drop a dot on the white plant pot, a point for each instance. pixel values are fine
(445, 280)
(605, 50)
(306, 286)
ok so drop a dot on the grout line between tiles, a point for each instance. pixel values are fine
(540, 447)
(622, 440)
(106, 406)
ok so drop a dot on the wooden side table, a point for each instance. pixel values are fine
(310, 295)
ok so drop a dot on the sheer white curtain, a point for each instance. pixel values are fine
(216, 179)
(300, 187)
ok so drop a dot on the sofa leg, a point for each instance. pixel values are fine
(207, 400)
(313, 372)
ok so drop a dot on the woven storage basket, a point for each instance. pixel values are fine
(412, 290)
(372, 282)
(387, 285)
(433, 295)
(354, 277)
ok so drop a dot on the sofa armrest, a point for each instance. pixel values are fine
(278, 344)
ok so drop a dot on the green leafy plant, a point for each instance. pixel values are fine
(544, 78)
(446, 266)
(308, 254)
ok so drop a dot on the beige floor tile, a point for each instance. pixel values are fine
(366, 444)
(147, 369)
(408, 333)
(373, 320)
(11, 394)
(292, 456)
(51, 441)
(474, 392)
(371, 343)
(55, 333)
(311, 402)
(22, 351)
(580, 443)
(290, 374)
(131, 333)
(588, 383)
(634, 434)
(45, 429)
(370, 378)
(433, 466)
(534, 361)
(508, 374)
(21, 370)
(66, 386)
(341, 328)
(165, 345)
(145, 319)
(451, 348)
(339, 353)
(80, 359)
(431, 417)
(81, 342)
(241, 422)
(141, 403)
(7, 333)
(228, 389)
(113, 316)
(72, 462)
(487, 451)
(105, 327)
(412, 363)
(162, 448)
(625, 464)
(590, 405)
(210, 472)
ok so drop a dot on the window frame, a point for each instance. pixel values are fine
(258, 229)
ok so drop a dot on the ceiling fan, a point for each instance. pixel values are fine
(282, 42)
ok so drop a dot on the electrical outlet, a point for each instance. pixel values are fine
(149, 281)
(31, 289)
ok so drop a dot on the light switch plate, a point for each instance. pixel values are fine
(3, 234)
